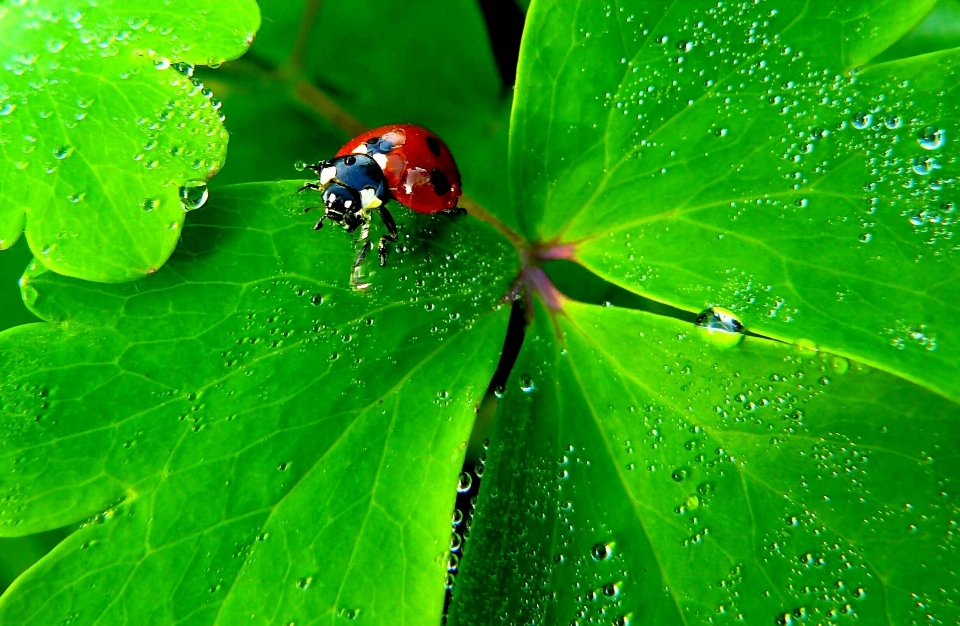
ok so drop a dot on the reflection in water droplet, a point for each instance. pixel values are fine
(717, 319)
(601, 551)
(932, 138)
(526, 383)
(194, 194)
(350, 614)
(862, 121)
(304, 582)
(611, 590)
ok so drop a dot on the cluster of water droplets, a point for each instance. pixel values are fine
(66, 125)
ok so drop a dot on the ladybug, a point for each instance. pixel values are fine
(401, 162)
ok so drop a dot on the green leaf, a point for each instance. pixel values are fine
(250, 439)
(940, 30)
(640, 472)
(728, 155)
(101, 132)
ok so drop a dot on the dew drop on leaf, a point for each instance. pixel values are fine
(717, 319)
(526, 383)
(194, 194)
(601, 551)
(349, 614)
(932, 138)
(303, 583)
(862, 121)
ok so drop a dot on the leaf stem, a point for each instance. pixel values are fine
(310, 96)
(310, 12)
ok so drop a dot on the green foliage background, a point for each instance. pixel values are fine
(233, 435)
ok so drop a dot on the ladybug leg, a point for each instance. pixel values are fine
(310, 186)
(331, 214)
(391, 235)
(457, 210)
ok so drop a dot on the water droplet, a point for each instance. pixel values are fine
(194, 194)
(862, 120)
(7, 108)
(932, 138)
(526, 383)
(304, 582)
(611, 590)
(717, 319)
(149, 204)
(464, 482)
(679, 474)
(602, 551)
(63, 152)
(350, 614)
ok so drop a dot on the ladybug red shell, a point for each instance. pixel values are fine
(418, 165)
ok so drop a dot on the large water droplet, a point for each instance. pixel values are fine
(194, 194)
(723, 327)
(862, 121)
(464, 482)
(932, 138)
(601, 551)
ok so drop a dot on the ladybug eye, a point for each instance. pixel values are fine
(350, 160)
(434, 144)
(373, 141)
(440, 182)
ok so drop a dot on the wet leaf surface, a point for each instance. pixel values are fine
(644, 472)
(732, 156)
(249, 439)
(103, 126)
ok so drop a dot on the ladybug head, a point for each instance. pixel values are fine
(344, 201)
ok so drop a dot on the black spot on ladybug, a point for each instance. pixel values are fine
(440, 182)
(373, 141)
(434, 144)
(350, 160)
